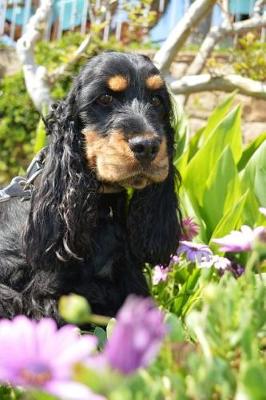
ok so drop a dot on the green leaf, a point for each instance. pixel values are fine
(227, 133)
(101, 336)
(254, 175)
(231, 220)
(40, 139)
(175, 327)
(219, 187)
(250, 150)
(218, 114)
(253, 381)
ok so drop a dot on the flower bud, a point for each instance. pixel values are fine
(74, 309)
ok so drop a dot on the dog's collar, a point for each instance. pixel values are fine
(21, 187)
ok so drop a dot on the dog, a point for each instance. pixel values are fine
(105, 201)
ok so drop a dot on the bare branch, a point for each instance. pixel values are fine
(216, 34)
(205, 82)
(258, 7)
(62, 69)
(35, 75)
(196, 12)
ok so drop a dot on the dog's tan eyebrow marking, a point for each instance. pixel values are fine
(154, 82)
(117, 83)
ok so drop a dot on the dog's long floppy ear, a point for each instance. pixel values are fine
(65, 201)
(154, 219)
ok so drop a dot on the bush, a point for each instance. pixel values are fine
(249, 59)
(18, 121)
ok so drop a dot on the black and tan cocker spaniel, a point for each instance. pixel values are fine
(79, 229)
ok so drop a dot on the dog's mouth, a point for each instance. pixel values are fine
(136, 182)
(137, 178)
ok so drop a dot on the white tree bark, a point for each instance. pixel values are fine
(36, 78)
(196, 12)
(216, 34)
(258, 7)
(205, 82)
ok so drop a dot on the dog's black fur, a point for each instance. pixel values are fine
(72, 236)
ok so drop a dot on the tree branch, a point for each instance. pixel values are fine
(205, 82)
(196, 12)
(216, 34)
(258, 7)
(35, 75)
(62, 69)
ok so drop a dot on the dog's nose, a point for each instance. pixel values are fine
(144, 149)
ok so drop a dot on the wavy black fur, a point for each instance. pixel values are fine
(70, 238)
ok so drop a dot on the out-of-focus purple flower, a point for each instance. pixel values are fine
(37, 355)
(160, 274)
(263, 210)
(194, 252)
(137, 335)
(242, 240)
(190, 229)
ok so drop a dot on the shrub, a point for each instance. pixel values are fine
(249, 59)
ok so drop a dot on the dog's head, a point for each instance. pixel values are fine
(112, 131)
(124, 107)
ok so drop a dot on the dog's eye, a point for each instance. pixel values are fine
(156, 101)
(105, 99)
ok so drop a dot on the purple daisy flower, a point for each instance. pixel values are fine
(194, 252)
(243, 240)
(37, 355)
(160, 274)
(137, 335)
(190, 229)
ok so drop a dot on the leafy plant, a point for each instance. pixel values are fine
(224, 183)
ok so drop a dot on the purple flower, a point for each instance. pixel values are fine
(194, 252)
(242, 240)
(37, 355)
(137, 335)
(190, 229)
(160, 274)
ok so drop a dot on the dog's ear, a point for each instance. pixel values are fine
(154, 222)
(65, 201)
(154, 218)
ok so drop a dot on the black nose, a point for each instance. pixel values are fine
(144, 149)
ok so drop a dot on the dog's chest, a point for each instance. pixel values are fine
(108, 248)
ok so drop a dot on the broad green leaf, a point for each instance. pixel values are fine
(194, 143)
(218, 114)
(251, 214)
(191, 208)
(228, 132)
(223, 176)
(214, 119)
(250, 150)
(254, 174)
(233, 219)
(254, 382)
